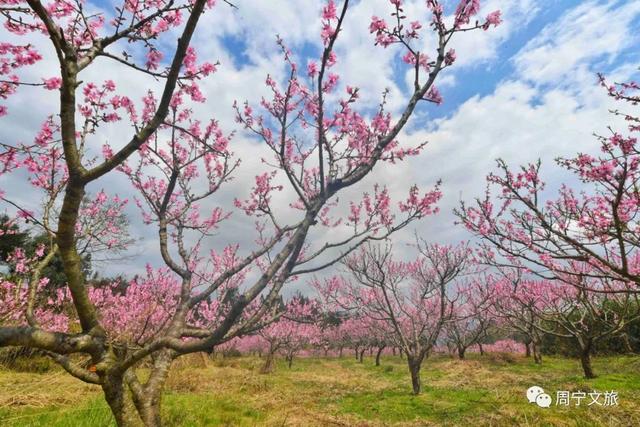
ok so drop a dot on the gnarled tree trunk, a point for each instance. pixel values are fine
(120, 402)
(461, 351)
(148, 398)
(585, 359)
(537, 356)
(414, 370)
(289, 360)
(378, 354)
(268, 364)
(627, 343)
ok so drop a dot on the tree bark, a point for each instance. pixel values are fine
(120, 402)
(148, 400)
(268, 364)
(461, 351)
(414, 370)
(585, 361)
(537, 356)
(380, 349)
(527, 347)
(361, 354)
(627, 344)
(481, 349)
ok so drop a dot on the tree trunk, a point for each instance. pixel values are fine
(393, 350)
(340, 352)
(120, 402)
(362, 354)
(527, 347)
(585, 360)
(357, 352)
(289, 360)
(481, 349)
(149, 410)
(627, 344)
(268, 364)
(537, 356)
(414, 370)
(461, 351)
(378, 355)
(148, 399)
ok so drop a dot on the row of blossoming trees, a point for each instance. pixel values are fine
(570, 262)
(439, 303)
(562, 268)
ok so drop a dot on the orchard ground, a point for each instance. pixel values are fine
(318, 391)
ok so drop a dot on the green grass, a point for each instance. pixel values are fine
(328, 391)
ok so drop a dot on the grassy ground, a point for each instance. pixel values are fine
(341, 392)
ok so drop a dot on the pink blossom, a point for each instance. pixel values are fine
(450, 57)
(52, 83)
(329, 11)
(154, 57)
(433, 95)
(377, 25)
(494, 18)
(312, 69)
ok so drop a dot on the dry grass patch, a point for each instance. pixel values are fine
(472, 373)
(41, 390)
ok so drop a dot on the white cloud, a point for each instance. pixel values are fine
(586, 33)
(483, 45)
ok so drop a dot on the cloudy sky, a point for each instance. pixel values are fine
(523, 91)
